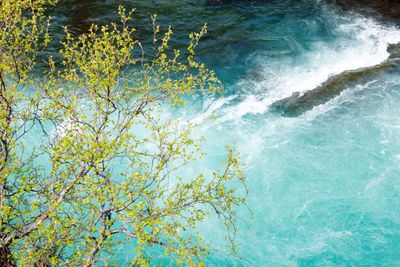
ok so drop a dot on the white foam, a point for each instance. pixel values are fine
(249, 105)
(364, 44)
(213, 106)
(68, 126)
(361, 42)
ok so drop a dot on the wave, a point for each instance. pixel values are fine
(357, 42)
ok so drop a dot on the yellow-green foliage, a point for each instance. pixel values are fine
(103, 168)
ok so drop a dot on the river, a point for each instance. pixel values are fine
(324, 185)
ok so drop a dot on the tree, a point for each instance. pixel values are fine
(87, 159)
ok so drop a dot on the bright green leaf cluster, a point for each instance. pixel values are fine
(102, 170)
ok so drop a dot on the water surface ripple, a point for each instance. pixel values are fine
(324, 186)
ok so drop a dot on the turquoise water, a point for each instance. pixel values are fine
(324, 186)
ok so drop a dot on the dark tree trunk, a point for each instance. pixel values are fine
(6, 257)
